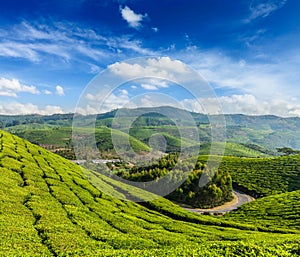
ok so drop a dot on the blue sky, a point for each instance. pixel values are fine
(247, 50)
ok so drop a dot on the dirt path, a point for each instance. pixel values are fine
(238, 200)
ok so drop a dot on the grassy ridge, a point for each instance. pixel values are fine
(49, 208)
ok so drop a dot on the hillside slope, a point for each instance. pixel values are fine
(232, 149)
(263, 176)
(60, 137)
(49, 208)
(282, 210)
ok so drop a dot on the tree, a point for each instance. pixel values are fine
(287, 151)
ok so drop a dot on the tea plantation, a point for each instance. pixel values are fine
(49, 208)
(265, 176)
(276, 211)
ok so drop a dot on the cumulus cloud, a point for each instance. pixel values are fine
(16, 108)
(11, 87)
(133, 19)
(162, 67)
(59, 90)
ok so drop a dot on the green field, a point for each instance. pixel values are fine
(49, 208)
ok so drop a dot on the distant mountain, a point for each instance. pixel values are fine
(267, 131)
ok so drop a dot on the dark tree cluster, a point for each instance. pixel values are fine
(217, 191)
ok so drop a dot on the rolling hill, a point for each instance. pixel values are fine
(267, 131)
(49, 208)
(61, 137)
(53, 138)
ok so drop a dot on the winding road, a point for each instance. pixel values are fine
(239, 199)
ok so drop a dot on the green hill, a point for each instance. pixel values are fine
(274, 211)
(268, 131)
(170, 133)
(234, 149)
(49, 208)
(264, 176)
(60, 137)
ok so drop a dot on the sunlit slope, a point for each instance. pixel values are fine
(49, 208)
(282, 210)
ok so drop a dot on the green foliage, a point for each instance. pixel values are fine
(287, 150)
(216, 192)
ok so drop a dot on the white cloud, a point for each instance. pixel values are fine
(18, 50)
(101, 104)
(264, 8)
(154, 84)
(67, 42)
(10, 94)
(11, 87)
(124, 92)
(133, 19)
(155, 29)
(149, 87)
(59, 90)
(245, 104)
(94, 69)
(255, 87)
(47, 92)
(16, 108)
(162, 67)
(265, 80)
(155, 100)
